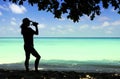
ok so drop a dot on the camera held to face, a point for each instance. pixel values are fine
(34, 23)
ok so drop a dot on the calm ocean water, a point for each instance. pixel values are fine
(80, 49)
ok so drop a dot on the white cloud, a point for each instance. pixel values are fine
(13, 23)
(59, 26)
(103, 18)
(17, 9)
(113, 10)
(84, 26)
(96, 27)
(70, 30)
(62, 19)
(110, 28)
(53, 28)
(105, 24)
(116, 23)
(10, 31)
(13, 19)
(60, 31)
(0, 13)
(108, 32)
(4, 7)
(41, 26)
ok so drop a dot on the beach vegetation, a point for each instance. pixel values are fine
(73, 9)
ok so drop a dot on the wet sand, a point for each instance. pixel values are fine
(21, 74)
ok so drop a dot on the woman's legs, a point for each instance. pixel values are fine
(28, 50)
(27, 55)
(27, 63)
(35, 53)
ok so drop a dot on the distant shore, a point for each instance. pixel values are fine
(21, 74)
(64, 37)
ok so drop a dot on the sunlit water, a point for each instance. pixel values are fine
(80, 49)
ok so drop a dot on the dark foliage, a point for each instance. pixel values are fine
(73, 8)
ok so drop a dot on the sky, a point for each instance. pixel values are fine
(105, 25)
(11, 15)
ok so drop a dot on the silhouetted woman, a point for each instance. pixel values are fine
(28, 33)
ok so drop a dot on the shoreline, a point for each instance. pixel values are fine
(63, 37)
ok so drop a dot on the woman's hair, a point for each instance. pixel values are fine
(25, 24)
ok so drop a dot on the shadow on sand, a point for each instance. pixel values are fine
(21, 74)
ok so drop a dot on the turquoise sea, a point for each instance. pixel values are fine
(62, 48)
(82, 54)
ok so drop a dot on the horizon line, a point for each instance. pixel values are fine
(65, 37)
